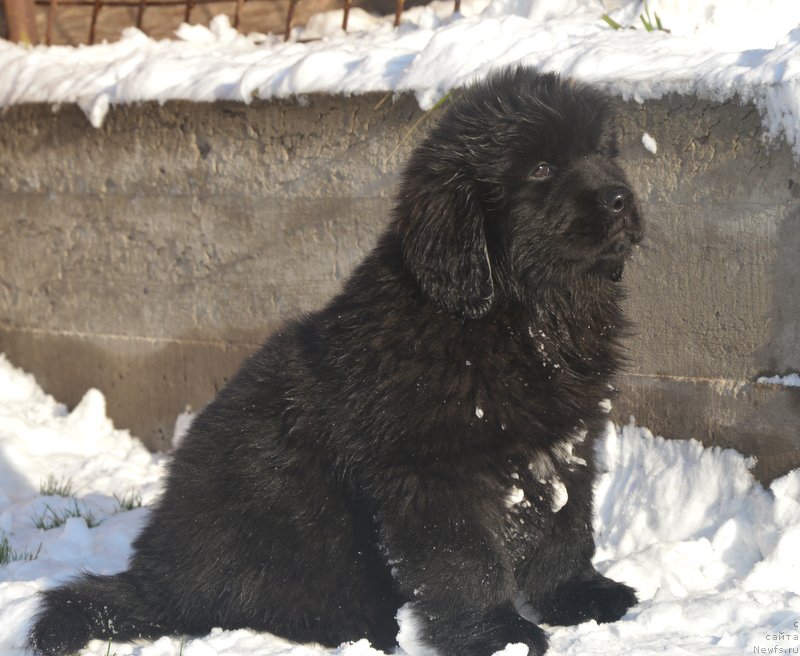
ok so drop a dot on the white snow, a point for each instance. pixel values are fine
(649, 143)
(559, 496)
(712, 554)
(564, 451)
(513, 650)
(792, 380)
(748, 50)
(515, 495)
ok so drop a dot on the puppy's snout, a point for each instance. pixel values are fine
(617, 200)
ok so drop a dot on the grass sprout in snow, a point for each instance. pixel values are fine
(55, 487)
(49, 518)
(651, 24)
(647, 21)
(611, 22)
(9, 555)
(128, 501)
(108, 649)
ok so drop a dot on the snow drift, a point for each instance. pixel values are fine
(712, 553)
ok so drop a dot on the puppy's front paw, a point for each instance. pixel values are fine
(506, 627)
(598, 598)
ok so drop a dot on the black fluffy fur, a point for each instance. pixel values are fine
(371, 454)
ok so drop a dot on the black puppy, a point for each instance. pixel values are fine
(425, 438)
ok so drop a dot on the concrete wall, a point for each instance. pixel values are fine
(149, 257)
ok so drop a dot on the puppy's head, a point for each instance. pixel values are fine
(515, 189)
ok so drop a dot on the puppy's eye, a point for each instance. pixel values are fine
(543, 171)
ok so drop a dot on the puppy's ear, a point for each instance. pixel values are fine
(441, 224)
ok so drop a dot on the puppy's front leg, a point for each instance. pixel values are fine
(449, 560)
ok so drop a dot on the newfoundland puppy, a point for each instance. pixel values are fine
(426, 438)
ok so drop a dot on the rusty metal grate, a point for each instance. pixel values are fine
(52, 7)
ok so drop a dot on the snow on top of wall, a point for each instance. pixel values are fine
(716, 49)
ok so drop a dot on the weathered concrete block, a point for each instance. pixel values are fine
(148, 257)
(716, 297)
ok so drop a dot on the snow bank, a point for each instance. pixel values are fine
(712, 554)
(716, 49)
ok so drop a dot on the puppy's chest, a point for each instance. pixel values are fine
(539, 488)
(550, 357)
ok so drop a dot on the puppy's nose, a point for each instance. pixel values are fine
(617, 200)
